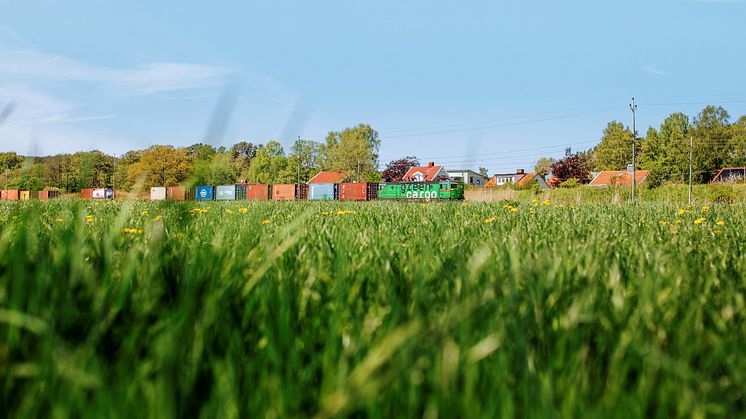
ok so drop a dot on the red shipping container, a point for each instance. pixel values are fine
(176, 193)
(2, 195)
(362, 191)
(257, 192)
(43, 195)
(289, 192)
(86, 193)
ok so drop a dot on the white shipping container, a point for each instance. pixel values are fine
(158, 193)
(99, 193)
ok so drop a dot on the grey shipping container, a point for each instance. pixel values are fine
(323, 191)
(225, 193)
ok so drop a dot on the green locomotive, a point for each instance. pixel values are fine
(421, 191)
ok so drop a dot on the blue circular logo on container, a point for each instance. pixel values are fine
(203, 193)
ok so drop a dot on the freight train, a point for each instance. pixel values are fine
(362, 191)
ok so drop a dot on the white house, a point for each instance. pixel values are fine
(469, 177)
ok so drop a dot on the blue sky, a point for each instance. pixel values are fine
(467, 84)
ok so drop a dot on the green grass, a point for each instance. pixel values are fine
(388, 310)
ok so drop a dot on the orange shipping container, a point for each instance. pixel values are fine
(11, 195)
(86, 193)
(176, 193)
(257, 192)
(289, 192)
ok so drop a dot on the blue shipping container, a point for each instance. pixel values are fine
(225, 193)
(203, 193)
(323, 191)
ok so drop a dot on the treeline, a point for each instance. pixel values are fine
(716, 143)
(353, 150)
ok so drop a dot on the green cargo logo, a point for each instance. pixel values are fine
(421, 194)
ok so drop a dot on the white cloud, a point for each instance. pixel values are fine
(143, 79)
(650, 68)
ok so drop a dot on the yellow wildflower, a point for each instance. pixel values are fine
(228, 211)
(89, 218)
(664, 223)
(423, 205)
(705, 209)
(145, 212)
(700, 220)
(265, 222)
(514, 209)
(157, 218)
(344, 212)
(490, 220)
(545, 202)
(720, 222)
(243, 210)
(678, 221)
(683, 212)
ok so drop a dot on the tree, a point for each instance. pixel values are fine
(736, 155)
(269, 163)
(614, 151)
(353, 150)
(303, 162)
(484, 172)
(396, 169)
(711, 133)
(544, 166)
(576, 166)
(160, 165)
(666, 152)
(241, 154)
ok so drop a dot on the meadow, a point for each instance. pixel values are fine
(275, 310)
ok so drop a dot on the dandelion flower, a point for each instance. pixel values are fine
(700, 220)
(546, 202)
(145, 212)
(243, 210)
(514, 209)
(490, 220)
(705, 209)
(157, 218)
(720, 222)
(265, 222)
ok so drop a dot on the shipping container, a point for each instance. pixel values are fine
(10, 195)
(361, 191)
(323, 191)
(28, 195)
(47, 194)
(225, 193)
(176, 193)
(289, 192)
(204, 193)
(86, 193)
(241, 192)
(102, 193)
(257, 192)
(158, 193)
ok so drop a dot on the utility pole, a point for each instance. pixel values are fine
(633, 106)
(298, 158)
(691, 157)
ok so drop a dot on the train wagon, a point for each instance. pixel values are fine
(361, 191)
(47, 195)
(323, 192)
(258, 192)
(176, 193)
(421, 191)
(102, 193)
(204, 193)
(9, 195)
(225, 193)
(158, 193)
(289, 192)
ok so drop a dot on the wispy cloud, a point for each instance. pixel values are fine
(147, 78)
(652, 69)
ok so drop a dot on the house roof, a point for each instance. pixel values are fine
(617, 177)
(329, 177)
(720, 172)
(527, 178)
(430, 171)
(467, 170)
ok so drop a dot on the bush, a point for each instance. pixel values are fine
(570, 183)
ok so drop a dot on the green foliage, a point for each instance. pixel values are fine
(570, 183)
(371, 310)
(353, 150)
(544, 165)
(614, 151)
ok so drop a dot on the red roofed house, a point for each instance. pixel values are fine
(328, 177)
(730, 175)
(532, 177)
(618, 177)
(425, 173)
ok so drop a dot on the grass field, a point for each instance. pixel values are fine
(135, 309)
